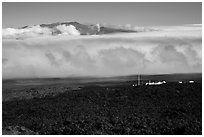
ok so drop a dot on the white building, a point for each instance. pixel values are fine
(180, 82)
(191, 81)
(156, 83)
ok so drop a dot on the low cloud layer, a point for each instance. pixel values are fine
(37, 31)
(169, 50)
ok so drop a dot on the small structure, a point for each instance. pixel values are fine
(138, 81)
(155, 83)
(134, 85)
(180, 82)
(191, 81)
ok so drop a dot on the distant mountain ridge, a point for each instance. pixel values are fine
(93, 29)
(76, 29)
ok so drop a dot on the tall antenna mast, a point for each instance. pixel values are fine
(138, 81)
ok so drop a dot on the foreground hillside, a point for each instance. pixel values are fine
(170, 108)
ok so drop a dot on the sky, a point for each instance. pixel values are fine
(137, 14)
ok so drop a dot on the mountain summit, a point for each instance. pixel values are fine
(93, 29)
(61, 28)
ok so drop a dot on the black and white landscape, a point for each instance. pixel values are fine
(79, 78)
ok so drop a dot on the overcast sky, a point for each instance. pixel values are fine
(142, 14)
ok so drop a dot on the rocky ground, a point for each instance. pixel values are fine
(170, 108)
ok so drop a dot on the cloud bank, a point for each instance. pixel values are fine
(37, 31)
(169, 50)
(68, 30)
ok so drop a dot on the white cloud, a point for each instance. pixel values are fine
(36, 31)
(68, 30)
(33, 31)
(165, 51)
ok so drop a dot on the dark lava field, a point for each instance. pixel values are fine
(82, 107)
